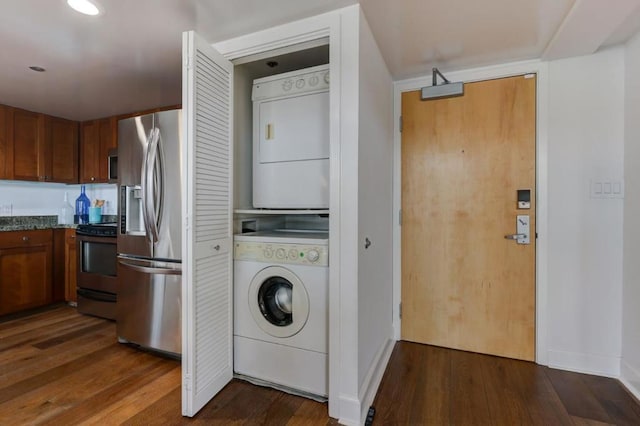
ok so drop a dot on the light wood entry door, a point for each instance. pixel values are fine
(465, 286)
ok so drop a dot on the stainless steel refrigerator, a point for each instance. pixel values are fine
(148, 311)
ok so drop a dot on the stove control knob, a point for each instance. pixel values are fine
(280, 253)
(268, 252)
(293, 254)
(313, 255)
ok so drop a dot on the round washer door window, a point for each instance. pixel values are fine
(278, 301)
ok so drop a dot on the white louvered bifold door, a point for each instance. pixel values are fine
(207, 318)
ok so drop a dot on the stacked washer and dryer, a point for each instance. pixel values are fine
(281, 276)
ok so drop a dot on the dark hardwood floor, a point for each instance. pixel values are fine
(428, 385)
(61, 368)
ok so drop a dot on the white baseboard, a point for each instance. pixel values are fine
(354, 412)
(599, 365)
(374, 376)
(349, 411)
(630, 378)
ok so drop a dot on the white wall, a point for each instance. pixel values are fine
(375, 198)
(42, 199)
(630, 365)
(586, 141)
(242, 138)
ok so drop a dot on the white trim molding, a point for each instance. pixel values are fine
(630, 378)
(598, 365)
(372, 380)
(352, 409)
(479, 74)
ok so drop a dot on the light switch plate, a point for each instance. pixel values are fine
(606, 188)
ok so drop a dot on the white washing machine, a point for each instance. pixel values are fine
(281, 281)
(291, 140)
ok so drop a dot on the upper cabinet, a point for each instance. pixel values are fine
(37, 147)
(98, 137)
(4, 145)
(26, 159)
(61, 164)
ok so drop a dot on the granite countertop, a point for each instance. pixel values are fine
(26, 223)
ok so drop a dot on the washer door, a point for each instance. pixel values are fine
(278, 301)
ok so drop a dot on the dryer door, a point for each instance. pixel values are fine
(278, 301)
(293, 129)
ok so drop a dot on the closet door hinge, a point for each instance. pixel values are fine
(400, 310)
(400, 217)
(400, 123)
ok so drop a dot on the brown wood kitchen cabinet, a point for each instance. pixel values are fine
(65, 265)
(98, 137)
(37, 147)
(61, 150)
(25, 269)
(25, 158)
(4, 142)
(70, 266)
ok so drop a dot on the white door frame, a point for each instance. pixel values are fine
(477, 74)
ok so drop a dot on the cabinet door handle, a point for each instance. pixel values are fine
(25, 238)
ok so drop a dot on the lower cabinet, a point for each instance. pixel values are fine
(70, 266)
(64, 265)
(26, 270)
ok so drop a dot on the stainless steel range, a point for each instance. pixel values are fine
(97, 269)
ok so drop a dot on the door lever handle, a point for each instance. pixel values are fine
(515, 236)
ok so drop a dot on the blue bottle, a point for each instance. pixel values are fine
(82, 207)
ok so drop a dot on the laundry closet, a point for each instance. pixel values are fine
(323, 318)
(281, 220)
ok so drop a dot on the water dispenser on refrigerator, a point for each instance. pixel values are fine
(131, 210)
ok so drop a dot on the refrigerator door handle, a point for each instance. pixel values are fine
(149, 187)
(155, 177)
(145, 186)
(148, 269)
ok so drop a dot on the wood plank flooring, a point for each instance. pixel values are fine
(428, 385)
(58, 367)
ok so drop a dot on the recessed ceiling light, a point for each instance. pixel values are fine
(36, 68)
(84, 6)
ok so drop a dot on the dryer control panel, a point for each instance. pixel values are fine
(275, 253)
(307, 80)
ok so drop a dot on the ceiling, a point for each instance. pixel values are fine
(128, 58)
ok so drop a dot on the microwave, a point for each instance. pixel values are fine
(112, 166)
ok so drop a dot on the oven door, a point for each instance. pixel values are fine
(97, 263)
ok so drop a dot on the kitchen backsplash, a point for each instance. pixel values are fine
(41, 199)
